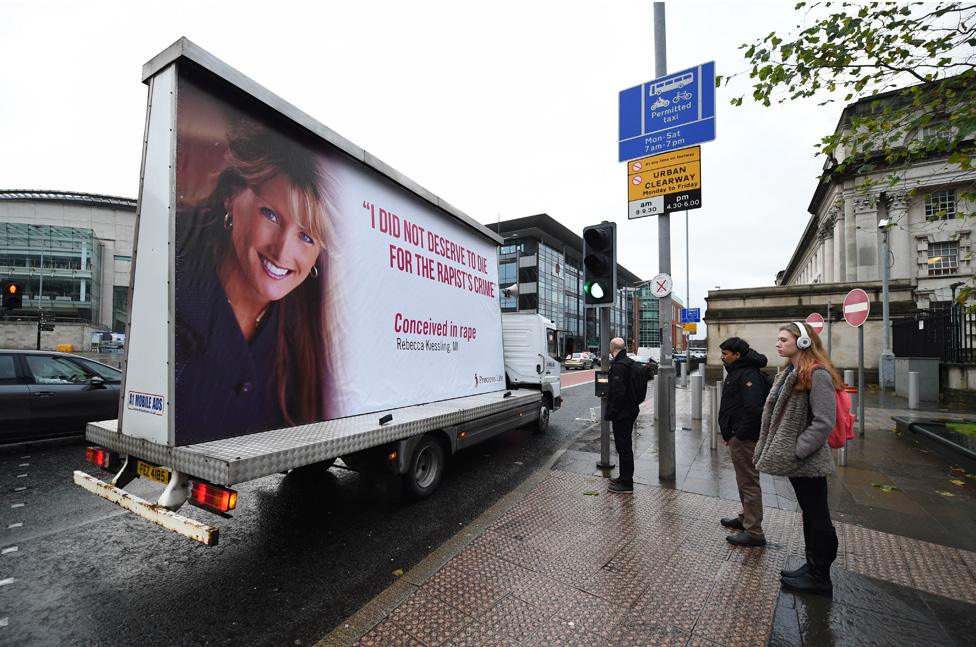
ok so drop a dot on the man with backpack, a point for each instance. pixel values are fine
(623, 400)
(740, 417)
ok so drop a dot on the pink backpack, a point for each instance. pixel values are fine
(844, 422)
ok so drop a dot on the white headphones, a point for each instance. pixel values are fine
(803, 342)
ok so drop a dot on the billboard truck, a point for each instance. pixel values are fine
(295, 300)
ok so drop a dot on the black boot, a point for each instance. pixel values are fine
(796, 572)
(816, 579)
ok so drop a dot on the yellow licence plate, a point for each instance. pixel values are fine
(152, 472)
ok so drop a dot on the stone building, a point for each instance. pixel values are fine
(917, 208)
(928, 240)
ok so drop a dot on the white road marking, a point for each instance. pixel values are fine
(20, 489)
(19, 524)
(21, 476)
(17, 505)
(4, 622)
(8, 549)
(7, 581)
(856, 307)
(24, 465)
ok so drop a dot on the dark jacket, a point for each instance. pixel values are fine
(743, 397)
(224, 384)
(620, 402)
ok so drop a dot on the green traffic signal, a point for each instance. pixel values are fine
(595, 290)
(599, 263)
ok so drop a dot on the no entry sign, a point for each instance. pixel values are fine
(857, 307)
(816, 321)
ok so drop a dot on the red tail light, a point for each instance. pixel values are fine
(101, 457)
(212, 497)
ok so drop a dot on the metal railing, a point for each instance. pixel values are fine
(948, 333)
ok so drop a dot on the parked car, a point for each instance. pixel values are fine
(44, 394)
(579, 360)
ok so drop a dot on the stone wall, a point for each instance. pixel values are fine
(23, 335)
(755, 314)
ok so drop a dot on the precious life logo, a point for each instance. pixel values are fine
(486, 379)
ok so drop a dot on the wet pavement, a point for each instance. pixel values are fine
(561, 561)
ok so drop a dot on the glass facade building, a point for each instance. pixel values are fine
(58, 267)
(550, 282)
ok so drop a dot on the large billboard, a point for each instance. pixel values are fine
(309, 286)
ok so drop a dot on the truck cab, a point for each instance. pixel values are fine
(531, 354)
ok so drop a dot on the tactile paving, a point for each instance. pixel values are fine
(429, 620)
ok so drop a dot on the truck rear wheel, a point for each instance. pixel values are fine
(426, 468)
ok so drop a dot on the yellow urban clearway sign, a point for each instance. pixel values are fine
(673, 172)
(690, 328)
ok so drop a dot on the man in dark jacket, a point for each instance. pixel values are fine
(622, 411)
(739, 418)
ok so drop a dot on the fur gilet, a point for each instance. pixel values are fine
(783, 420)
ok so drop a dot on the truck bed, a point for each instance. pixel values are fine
(235, 460)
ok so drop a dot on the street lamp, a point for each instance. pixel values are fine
(955, 286)
(886, 365)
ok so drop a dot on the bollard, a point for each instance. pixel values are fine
(913, 389)
(697, 381)
(716, 430)
(849, 381)
(712, 416)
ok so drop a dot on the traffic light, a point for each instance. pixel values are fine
(599, 264)
(12, 296)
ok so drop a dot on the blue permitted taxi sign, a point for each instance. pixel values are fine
(668, 113)
(691, 315)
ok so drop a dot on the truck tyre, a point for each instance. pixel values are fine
(426, 468)
(542, 424)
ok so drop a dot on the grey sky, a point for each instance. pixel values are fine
(504, 109)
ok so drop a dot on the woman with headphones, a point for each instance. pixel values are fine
(798, 417)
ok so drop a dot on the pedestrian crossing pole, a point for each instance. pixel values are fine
(605, 462)
(665, 419)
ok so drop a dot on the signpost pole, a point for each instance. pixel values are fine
(860, 380)
(665, 378)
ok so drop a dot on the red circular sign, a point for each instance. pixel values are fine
(857, 307)
(816, 321)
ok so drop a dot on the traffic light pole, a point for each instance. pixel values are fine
(604, 366)
(665, 419)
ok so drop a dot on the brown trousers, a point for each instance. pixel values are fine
(747, 478)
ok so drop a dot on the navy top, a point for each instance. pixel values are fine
(224, 384)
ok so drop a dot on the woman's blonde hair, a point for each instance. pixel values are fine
(811, 358)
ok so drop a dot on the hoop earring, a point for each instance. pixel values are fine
(314, 272)
(228, 221)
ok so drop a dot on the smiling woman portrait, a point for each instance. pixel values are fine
(251, 268)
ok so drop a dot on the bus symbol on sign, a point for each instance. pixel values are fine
(674, 83)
